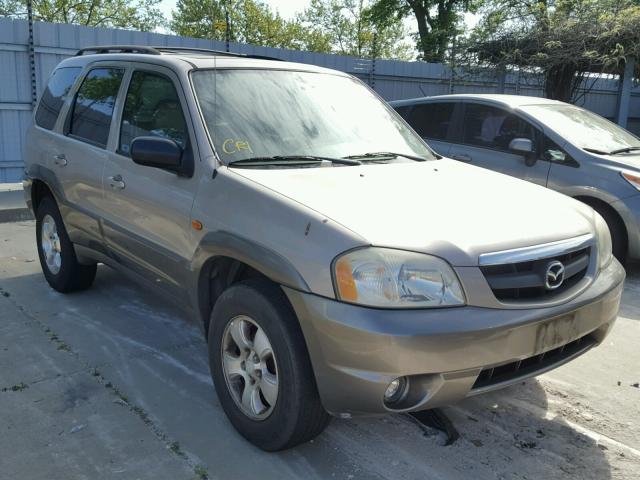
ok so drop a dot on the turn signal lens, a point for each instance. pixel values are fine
(632, 179)
(344, 280)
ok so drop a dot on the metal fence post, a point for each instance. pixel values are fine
(372, 71)
(502, 78)
(624, 92)
(32, 55)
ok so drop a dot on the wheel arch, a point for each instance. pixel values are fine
(39, 182)
(224, 258)
(39, 190)
(601, 205)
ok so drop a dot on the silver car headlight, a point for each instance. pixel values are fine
(603, 237)
(388, 278)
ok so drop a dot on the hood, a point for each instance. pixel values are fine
(441, 207)
(629, 161)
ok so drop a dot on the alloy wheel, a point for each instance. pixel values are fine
(250, 368)
(50, 243)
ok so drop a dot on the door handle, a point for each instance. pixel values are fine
(116, 182)
(60, 159)
(463, 157)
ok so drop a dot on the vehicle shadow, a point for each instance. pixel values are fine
(506, 434)
(150, 350)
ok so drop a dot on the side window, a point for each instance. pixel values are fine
(152, 108)
(403, 110)
(553, 153)
(432, 120)
(54, 96)
(93, 107)
(492, 127)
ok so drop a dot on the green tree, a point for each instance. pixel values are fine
(252, 21)
(347, 27)
(141, 15)
(562, 40)
(438, 22)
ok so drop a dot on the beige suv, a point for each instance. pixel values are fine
(334, 262)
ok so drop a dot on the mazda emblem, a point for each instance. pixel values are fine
(554, 276)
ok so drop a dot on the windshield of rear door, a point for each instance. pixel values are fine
(583, 128)
(258, 113)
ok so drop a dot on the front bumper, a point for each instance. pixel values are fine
(357, 351)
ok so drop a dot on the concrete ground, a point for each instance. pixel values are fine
(12, 206)
(114, 383)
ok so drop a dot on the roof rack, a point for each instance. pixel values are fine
(118, 49)
(208, 51)
(165, 49)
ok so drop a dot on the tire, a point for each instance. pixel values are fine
(60, 266)
(291, 412)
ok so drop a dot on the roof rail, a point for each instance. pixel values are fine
(164, 49)
(118, 49)
(207, 51)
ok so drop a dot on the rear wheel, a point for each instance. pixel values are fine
(261, 368)
(57, 256)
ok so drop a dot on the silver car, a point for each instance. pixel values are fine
(554, 144)
(335, 264)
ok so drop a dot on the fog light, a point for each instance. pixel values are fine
(395, 390)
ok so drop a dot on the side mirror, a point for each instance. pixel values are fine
(524, 146)
(157, 152)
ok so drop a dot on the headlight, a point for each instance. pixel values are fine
(603, 237)
(634, 180)
(382, 277)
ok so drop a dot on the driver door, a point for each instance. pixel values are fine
(147, 221)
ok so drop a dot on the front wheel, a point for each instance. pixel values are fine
(57, 255)
(261, 369)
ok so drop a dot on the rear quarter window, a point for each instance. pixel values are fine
(54, 95)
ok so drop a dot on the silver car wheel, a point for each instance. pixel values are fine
(249, 366)
(50, 243)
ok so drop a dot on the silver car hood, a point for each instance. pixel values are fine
(440, 207)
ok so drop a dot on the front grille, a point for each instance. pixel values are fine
(526, 280)
(529, 366)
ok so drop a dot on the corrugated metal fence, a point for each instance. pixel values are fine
(392, 79)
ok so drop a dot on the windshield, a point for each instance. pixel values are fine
(583, 128)
(265, 113)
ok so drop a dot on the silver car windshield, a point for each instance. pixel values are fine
(583, 128)
(266, 113)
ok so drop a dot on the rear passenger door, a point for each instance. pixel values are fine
(79, 157)
(147, 225)
(485, 134)
(433, 121)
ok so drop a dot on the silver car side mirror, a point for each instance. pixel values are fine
(522, 145)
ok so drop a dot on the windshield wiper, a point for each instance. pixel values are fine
(288, 160)
(612, 152)
(624, 150)
(375, 155)
(595, 150)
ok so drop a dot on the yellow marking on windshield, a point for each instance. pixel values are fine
(232, 145)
